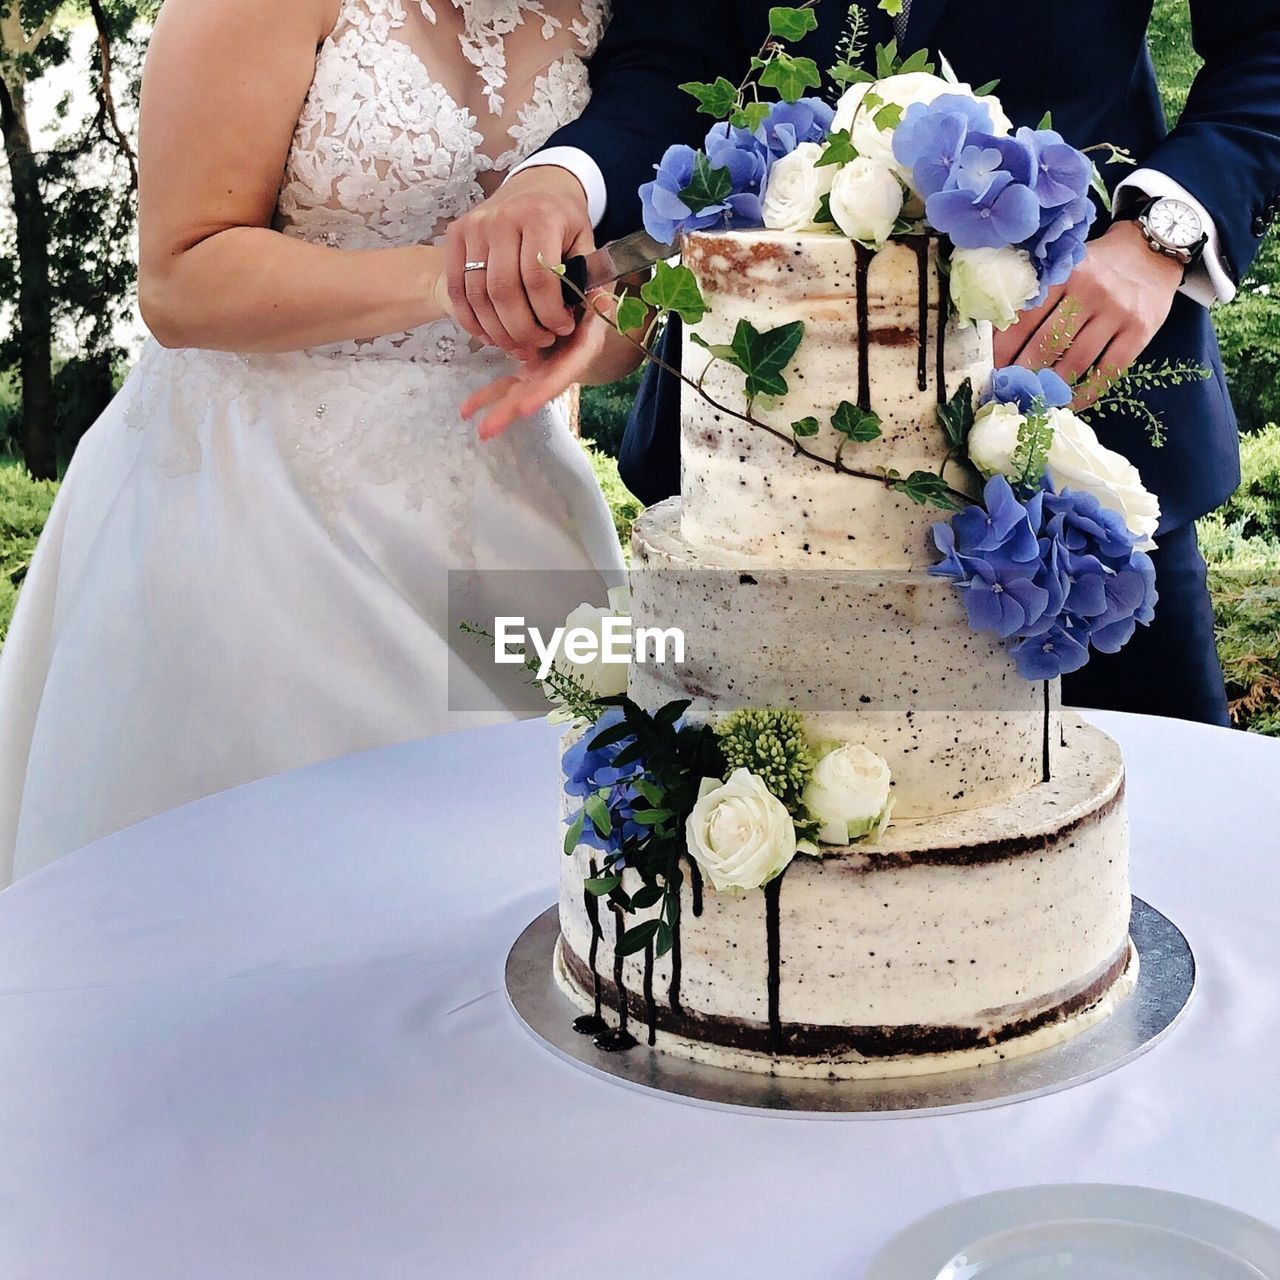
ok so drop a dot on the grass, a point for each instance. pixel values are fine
(24, 507)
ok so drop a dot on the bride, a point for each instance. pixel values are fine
(253, 558)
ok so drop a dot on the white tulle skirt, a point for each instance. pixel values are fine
(248, 569)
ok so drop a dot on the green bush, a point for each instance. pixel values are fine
(603, 416)
(24, 507)
(622, 502)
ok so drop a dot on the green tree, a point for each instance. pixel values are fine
(68, 258)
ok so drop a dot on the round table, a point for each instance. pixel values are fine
(266, 1036)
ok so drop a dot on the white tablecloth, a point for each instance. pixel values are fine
(266, 1036)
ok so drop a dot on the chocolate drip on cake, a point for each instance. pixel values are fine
(941, 336)
(773, 936)
(695, 886)
(921, 245)
(619, 1040)
(650, 1004)
(1048, 717)
(593, 1024)
(864, 256)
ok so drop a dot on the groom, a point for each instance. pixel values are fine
(1088, 64)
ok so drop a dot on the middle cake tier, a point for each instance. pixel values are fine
(881, 659)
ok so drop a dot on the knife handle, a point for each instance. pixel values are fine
(573, 283)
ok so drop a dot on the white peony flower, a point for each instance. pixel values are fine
(848, 795)
(603, 679)
(740, 833)
(796, 187)
(902, 90)
(866, 201)
(1079, 460)
(992, 284)
(993, 438)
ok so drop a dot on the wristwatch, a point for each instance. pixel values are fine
(1173, 228)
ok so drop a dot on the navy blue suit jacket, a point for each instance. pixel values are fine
(1086, 61)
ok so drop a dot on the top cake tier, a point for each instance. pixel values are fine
(871, 337)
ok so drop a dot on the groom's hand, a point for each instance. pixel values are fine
(515, 301)
(1103, 319)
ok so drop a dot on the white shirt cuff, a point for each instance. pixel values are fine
(1208, 281)
(582, 166)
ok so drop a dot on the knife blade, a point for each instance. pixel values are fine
(636, 252)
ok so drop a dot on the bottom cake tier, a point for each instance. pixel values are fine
(953, 942)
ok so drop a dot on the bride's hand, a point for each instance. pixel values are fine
(594, 353)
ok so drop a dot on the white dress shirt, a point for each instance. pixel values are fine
(1206, 283)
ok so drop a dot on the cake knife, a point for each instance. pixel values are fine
(636, 252)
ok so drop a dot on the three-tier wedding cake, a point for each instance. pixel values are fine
(852, 832)
(990, 916)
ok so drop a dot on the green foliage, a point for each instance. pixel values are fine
(792, 24)
(761, 356)
(1031, 454)
(24, 507)
(772, 745)
(928, 489)
(675, 289)
(858, 425)
(956, 417)
(604, 412)
(791, 76)
(718, 98)
(1248, 328)
(708, 186)
(622, 502)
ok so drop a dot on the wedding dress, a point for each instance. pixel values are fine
(251, 562)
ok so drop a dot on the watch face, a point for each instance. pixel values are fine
(1176, 223)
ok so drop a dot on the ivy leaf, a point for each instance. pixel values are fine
(839, 149)
(892, 7)
(601, 886)
(718, 349)
(708, 186)
(637, 938)
(597, 810)
(793, 24)
(928, 489)
(573, 837)
(631, 314)
(956, 417)
(717, 99)
(752, 116)
(763, 356)
(888, 117)
(791, 76)
(675, 289)
(805, 428)
(856, 424)
(824, 214)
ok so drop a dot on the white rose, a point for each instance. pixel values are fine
(601, 678)
(992, 284)
(993, 438)
(866, 201)
(796, 187)
(740, 833)
(902, 90)
(848, 795)
(1079, 460)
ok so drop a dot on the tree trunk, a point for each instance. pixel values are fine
(35, 299)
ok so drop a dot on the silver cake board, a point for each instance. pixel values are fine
(1166, 981)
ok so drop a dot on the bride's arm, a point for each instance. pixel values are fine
(224, 84)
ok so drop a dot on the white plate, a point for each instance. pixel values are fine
(1083, 1232)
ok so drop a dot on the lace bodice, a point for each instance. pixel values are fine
(399, 134)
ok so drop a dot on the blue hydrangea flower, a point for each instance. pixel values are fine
(1084, 585)
(747, 159)
(930, 138)
(788, 124)
(589, 770)
(1061, 173)
(665, 214)
(1023, 387)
